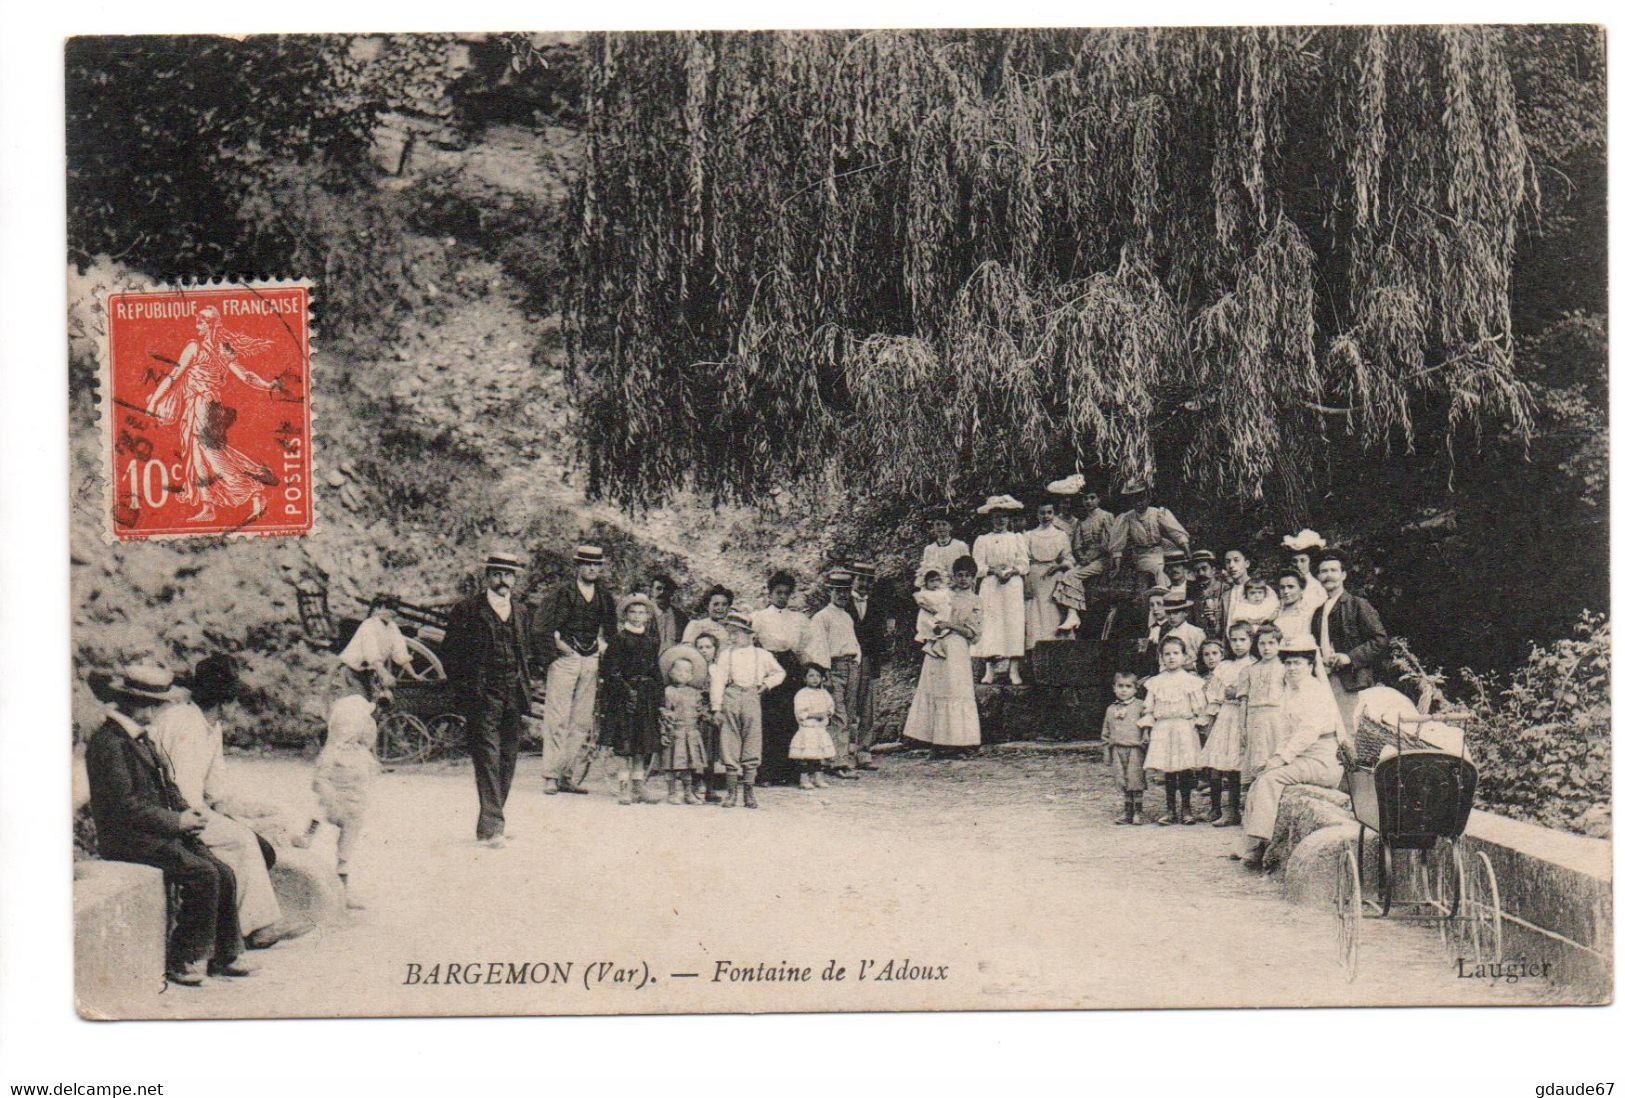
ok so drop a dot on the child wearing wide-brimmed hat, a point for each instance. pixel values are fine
(630, 697)
(683, 757)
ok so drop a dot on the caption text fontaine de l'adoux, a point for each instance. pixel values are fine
(638, 974)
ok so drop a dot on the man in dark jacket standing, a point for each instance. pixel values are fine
(487, 661)
(1349, 633)
(141, 817)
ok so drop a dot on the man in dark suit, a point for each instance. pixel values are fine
(141, 817)
(1349, 633)
(487, 660)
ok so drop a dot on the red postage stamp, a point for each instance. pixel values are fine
(206, 411)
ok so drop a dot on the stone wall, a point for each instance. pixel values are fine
(1553, 880)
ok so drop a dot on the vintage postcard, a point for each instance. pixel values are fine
(839, 521)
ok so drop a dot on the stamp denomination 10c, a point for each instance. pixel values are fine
(206, 411)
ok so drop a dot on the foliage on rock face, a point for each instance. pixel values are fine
(1543, 735)
(953, 260)
(194, 157)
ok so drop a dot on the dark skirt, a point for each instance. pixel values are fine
(779, 723)
(629, 716)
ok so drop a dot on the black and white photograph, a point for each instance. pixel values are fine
(800, 521)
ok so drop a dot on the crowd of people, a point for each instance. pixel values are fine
(1249, 680)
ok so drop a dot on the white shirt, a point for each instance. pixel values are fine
(377, 643)
(502, 604)
(751, 668)
(194, 749)
(833, 636)
(781, 630)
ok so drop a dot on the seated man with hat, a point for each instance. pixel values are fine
(573, 627)
(487, 660)
(193, 748)
(142, 817)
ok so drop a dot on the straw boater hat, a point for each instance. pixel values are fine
(688, 652)
(634, 600)
(502, 561)
(1000, 503)
(739, 619)
(863, 568)
(1176, 602)
(146, 682)
(1135, 486)
(1303, 541)
(589, 554)
(1174, 556)
(1203, 556)
(839, 577)
(1066, 486)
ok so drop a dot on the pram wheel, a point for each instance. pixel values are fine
(1350, 909)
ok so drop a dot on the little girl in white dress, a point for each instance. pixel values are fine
(1175, 701)
(812, 745)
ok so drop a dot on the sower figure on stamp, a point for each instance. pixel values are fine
(488, 665)
(572, 630)
(216, 474)
(141, 817)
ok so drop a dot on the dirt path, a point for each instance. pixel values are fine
(1006, 870)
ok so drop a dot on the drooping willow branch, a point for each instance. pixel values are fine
(938, 262)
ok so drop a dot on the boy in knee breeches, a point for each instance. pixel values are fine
(740, 676)
(1125, 744)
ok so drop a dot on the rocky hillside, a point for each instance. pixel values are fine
(434, 444)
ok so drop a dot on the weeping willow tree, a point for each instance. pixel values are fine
(938, 263)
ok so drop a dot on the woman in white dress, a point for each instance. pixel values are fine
(1001, 570)
(943, 712)
(1049, 552)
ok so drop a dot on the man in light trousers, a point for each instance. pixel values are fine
(575, 624)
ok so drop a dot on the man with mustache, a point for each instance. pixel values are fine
(487, 661)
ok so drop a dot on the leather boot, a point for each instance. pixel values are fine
(626, 793)
(671, 790)
(1137, 812)
(1215, 796)
(732, 799)
(689, 796)
(750, 795)
(637, 791)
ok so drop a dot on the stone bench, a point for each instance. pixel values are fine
(1557, 881)
(119, 923)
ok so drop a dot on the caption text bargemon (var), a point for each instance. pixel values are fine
(637, 975)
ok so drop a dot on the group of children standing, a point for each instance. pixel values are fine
(1221, 718)
(721, 728)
